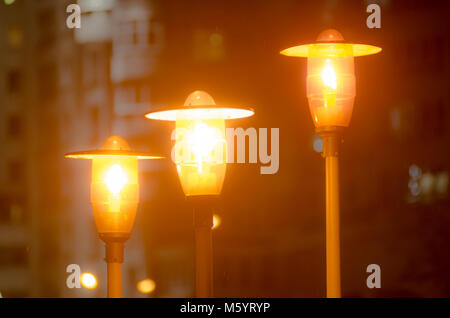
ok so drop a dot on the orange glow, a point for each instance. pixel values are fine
(200, 112)
(200, 151)
(330, 83)
(329, 75)
(200, 106)
(91, 154)
(115, 179)
(200, 141)
(331, 90)
(331, 49)
(216, 221)
(88, 281)
(115, 189)
(146, 286)
(114, 185)
(329, 80)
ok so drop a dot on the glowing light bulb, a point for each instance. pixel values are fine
(88, 281)
(329, 80)
(328, 74)
(115, 179)
(202, 140)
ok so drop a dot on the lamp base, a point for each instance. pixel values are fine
(114, 237)
(114, 250)
(203, 200)
(332, 138)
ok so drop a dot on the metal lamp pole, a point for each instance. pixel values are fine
(114, 248)
(332, 138)
(203, 222)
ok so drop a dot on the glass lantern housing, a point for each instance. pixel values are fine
(330, 81)
(114, 185)
(200, 150)
(114, 193)
(330, 88)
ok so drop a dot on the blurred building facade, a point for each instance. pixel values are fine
(64, 89)
(38, 97)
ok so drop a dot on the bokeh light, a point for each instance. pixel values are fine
(317, 143)
(217, 220)
(88, 281)
(146, 286)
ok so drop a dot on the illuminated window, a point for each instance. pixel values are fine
(15, 256)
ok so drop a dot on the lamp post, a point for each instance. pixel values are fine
(114, 198)
(200, 154)
(330, 88)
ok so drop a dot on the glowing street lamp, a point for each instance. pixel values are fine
(200, 155)
(330, 88)
(114, 198)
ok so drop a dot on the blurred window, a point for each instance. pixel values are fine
(14, 81)
(13, 256)
(15, 126)
(46, 20)
(94, 113)
(48, 81)
(91, 68)
(12, 210)
(4, 209)
(15, 172)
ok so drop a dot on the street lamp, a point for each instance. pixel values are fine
(114, 198)
(330, 88)
(200, 155)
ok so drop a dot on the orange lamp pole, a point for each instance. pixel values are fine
(200, 157)
(203, 223)
(114, 198)
(331, 141)
(331, 93)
